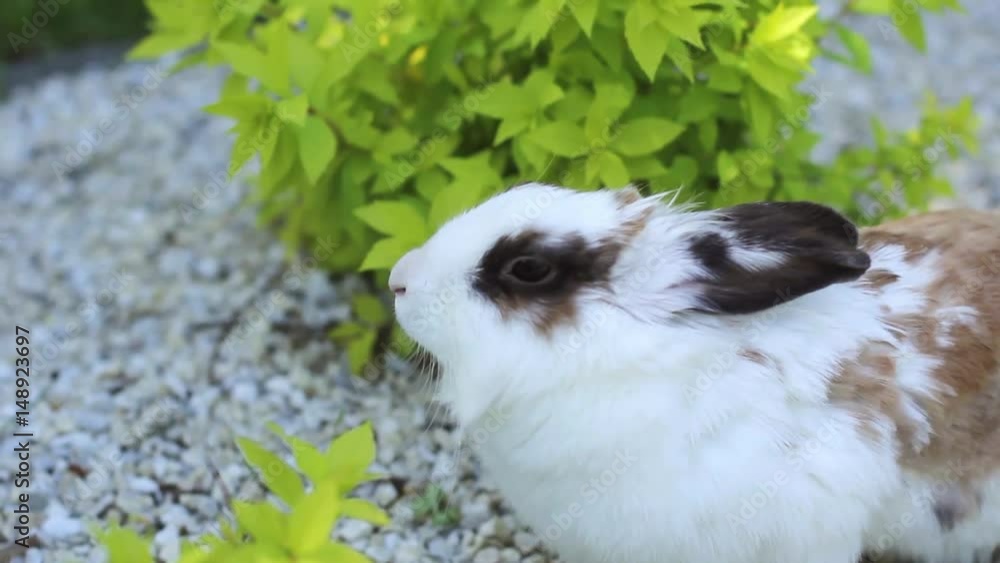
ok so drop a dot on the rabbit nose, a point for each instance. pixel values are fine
(399, 273)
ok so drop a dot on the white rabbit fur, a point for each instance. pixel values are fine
(634, 422)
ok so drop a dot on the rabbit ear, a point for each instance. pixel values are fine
(770, 253)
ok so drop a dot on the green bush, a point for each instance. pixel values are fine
(33, 26)
(267, 531)
(376, 121)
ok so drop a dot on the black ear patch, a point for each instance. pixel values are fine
(531, 272)
(800, 248)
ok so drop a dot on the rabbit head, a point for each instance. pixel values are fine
(556, 283)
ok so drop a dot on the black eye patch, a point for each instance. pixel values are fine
(529, 271)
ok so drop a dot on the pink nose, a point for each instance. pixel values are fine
(400, 273)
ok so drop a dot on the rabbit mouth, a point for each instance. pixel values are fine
(426, 320)
(426, 364)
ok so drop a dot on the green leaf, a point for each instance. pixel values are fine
(313, 518)
(245, 7)
(308, 459)
(685, 23)
(359, 353)
(394, 218)
(163, 42)
(250, 62)
(708, 134)
(613, 172)
(510, 127)
(646, 41)
(503, 100)
(530, 158)
(125, 546)
(236, 85)
(726, 167)
(305, 65)
(645, 167)
(781, 23)
(697, 104)
(857, 46)
(245, 107)
(351, 453)
(574, 104)
(262, 520)
(762, 114)
(540, 88)
(385, 253)
(585, 12)
(317, 147)
(278, 159)
(724, 79)
(564, 33)
(592, 168)
(610, 101)
(430, 182)
(369, 309)
(360, 509)
(337, 552)
(293, 109)
(609, 43)
(397, 141)
(540, 20)
(342, 333)
(243, 151)
(280, 478)
(773, 78)
(874, 7)
(475, 169)
(680, 55)
(909, 22)
(373, 79)
(452, 200)
(645, 135)
(563, 138)
(682, 172)
(194, 553)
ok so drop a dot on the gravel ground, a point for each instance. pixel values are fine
(962, 59)
(134, 409)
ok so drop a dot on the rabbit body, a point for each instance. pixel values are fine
(758, 384)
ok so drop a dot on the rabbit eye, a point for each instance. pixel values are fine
(529, 270)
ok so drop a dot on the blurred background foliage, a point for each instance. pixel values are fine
(35, 30)
(68, 24)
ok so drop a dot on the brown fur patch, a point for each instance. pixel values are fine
(915, 247)
(867, 387)
(627, 196)
(955, 504)
(579, 265)
(632, 227)
(965, 421)
(877, 278)
(755, 356)
(574, 263)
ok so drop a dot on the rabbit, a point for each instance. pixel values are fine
(646, 382)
